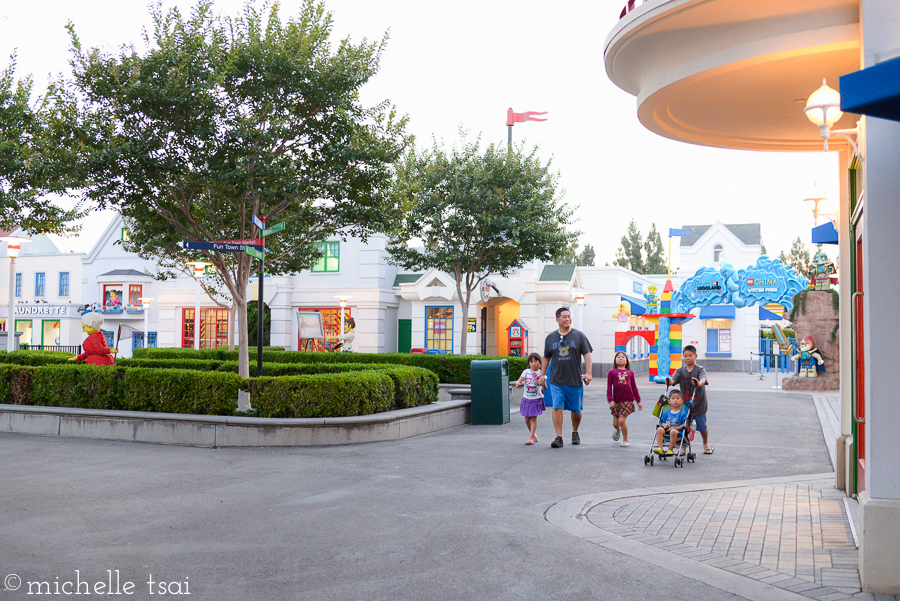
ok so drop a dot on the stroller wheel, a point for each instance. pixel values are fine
(647, 460)
(692, 457)
(652, 459)
(678, 462)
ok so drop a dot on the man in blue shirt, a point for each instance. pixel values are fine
(565, 348)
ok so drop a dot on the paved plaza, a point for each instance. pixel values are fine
(467, 513)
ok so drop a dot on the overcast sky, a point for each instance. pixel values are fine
(464, 63)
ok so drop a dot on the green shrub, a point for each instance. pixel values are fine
(413, 386)
(77, 385)
(179, 391)
(15, 384)
(220, 354)
(195, 364)
(35, 357)
(330, 395)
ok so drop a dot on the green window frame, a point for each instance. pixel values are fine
(330, 262)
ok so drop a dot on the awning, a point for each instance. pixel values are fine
(717, 312)
(766, 315)
(874, 91)
(637, 307)
(825, 234)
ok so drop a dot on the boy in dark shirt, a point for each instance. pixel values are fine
(692, 378)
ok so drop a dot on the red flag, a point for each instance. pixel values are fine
(512, 117)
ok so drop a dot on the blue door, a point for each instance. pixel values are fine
(712, 341)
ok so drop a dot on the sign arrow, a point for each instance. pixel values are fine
(271, 230)
(256, 254)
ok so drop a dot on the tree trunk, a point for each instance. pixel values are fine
(243, 350)
(464, 302)
(232, 314)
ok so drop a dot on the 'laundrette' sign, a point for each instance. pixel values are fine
(41, 310)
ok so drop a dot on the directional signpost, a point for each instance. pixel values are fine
(259, 252)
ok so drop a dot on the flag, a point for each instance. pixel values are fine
(512, 117)
(680, 232)
(126, 331)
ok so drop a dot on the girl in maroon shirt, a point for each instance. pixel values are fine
(622, 393)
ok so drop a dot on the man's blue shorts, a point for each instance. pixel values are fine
(701, 422)
(570, 398)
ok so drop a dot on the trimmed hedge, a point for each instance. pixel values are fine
(15, 384)
(330, 395)
(35, 357)
(413, 386)
(77, 385)
(450, 369)
(180, 391)
(269, 353)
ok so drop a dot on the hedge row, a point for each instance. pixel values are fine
(35, 357)
(413, 386)
(209, 354)
(215, 392)
(450, 369)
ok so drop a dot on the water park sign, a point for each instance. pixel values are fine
(769, 281)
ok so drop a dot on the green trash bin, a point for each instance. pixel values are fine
(490, 392)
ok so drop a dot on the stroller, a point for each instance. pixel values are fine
(682, 450)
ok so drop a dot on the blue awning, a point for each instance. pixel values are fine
(825, 234)
(765, 314)
(717, 312)
(637, 307)
(874, 91)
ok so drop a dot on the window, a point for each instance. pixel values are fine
(213, 328)
(39, 284)
(331, 324)
(439, 328)
(18, 285)
(112, 297)
(135, 294)
(718, 337)
(331, 261)
(718, 251)
(64, 283)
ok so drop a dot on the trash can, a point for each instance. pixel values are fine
(490, 392)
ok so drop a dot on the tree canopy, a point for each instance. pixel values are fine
(27, 181)
(641, 256)
(471, 212)
(222, 118)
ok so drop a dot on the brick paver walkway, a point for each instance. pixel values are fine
(796, 537)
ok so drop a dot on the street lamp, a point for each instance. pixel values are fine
(579, 301)
(198, 266)
(13, 246)
(145, 305)
(823, 108)
(342, 299)
(817, 201)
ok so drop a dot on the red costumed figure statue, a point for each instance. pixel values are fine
(95, 350)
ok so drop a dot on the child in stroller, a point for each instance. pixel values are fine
(675, 427)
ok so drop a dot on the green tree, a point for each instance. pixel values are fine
(26, 177)
(472, 212)
(762, 247)
(653, 249)
(586, 257)
(799, 258)
(253, 319)
(629, 253)
(224, 118)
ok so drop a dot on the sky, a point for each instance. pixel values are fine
(462, 64)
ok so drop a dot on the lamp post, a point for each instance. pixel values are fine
(579, 301)
(198, 266)
(817, 201)
(145, 305)
(823, 108)
(342, 300)
(13, 246)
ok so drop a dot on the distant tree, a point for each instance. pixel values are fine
(473, 212)
(26, 179)
(653, 248)
(800, 257)
(629, 253)
(762, 247)
(587, 256)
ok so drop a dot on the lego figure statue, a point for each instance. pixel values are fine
(95, 350)
(652, 299)
(623, 315)
(821, 277)
(808, 356)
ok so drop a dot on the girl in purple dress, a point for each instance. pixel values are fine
(533, 400)
(622, 393)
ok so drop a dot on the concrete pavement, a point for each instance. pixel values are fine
(467, 513)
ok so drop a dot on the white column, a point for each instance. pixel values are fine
(197, 315)
(11, 320)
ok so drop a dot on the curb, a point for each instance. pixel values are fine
(228, 431)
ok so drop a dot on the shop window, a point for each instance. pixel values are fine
(330, 262)
(64, 283)
(24, 326)
(331, 324)
(439, 329)
(213, 328)
(18, 285)
(718, 252)
(718, 337)
(40, 281)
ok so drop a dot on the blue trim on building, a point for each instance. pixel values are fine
(825, 234)
(874, 91)
(717, 312)
(637, 307)
(766, 314)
